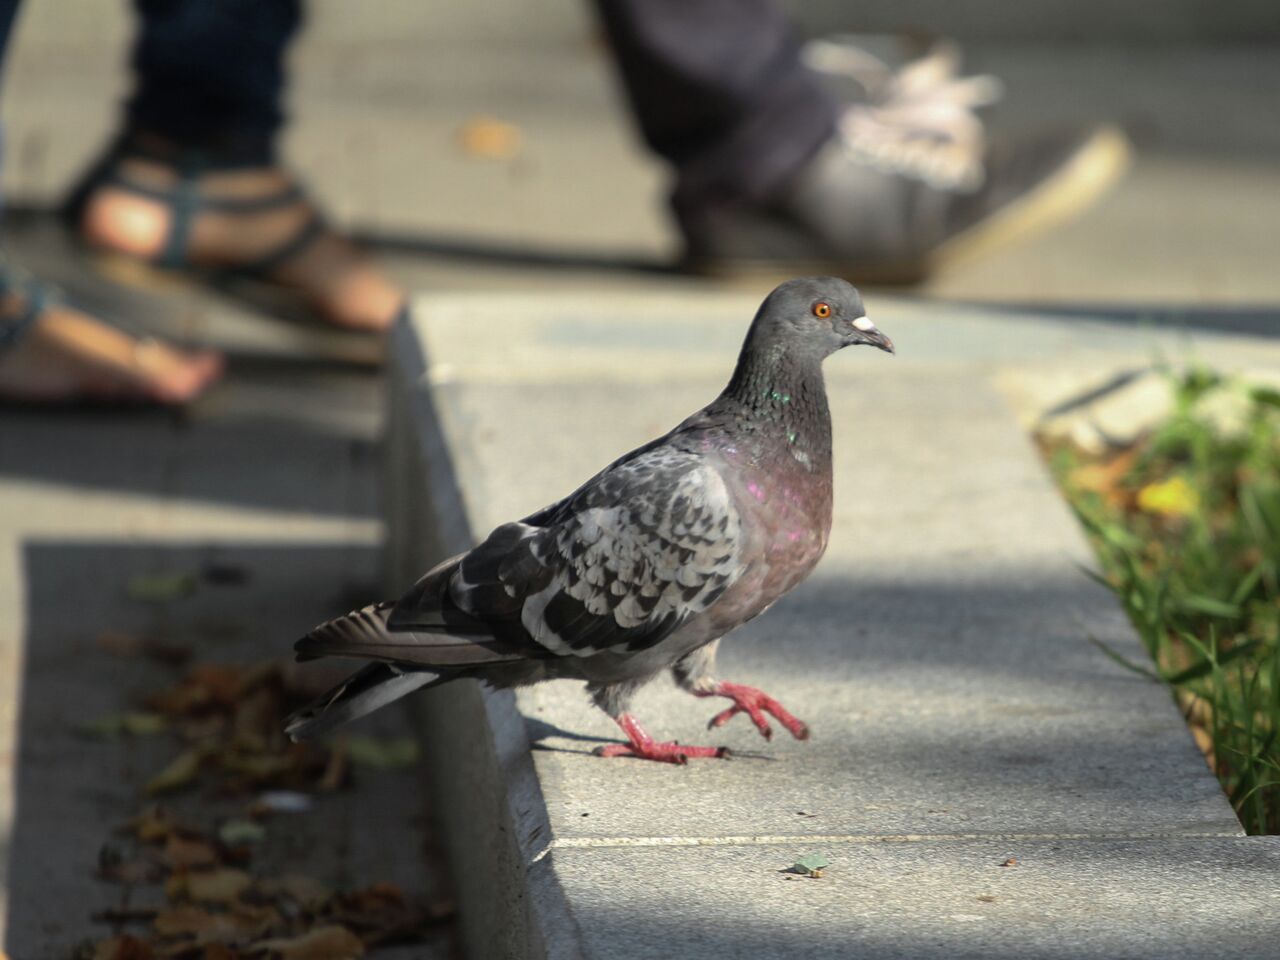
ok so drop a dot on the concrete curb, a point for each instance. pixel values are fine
(559, 855)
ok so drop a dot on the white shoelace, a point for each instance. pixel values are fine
(919, 121)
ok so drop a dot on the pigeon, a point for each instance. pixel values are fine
(643, 568)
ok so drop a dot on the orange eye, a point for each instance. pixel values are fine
(822, 310)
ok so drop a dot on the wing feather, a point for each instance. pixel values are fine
(620, 564)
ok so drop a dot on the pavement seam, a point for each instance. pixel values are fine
(768, 840)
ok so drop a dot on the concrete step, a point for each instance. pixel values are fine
(942, 653)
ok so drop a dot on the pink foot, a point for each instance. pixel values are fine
(644, 747)
(755, 704)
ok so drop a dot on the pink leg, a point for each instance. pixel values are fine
(755, 704)
(645, 747)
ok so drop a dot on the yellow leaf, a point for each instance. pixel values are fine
(1170, 498)
(180, 772)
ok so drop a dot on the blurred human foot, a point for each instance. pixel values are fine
(247, 221)
(62, 355)
(908, 183)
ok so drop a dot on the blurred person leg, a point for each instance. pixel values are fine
(773, 171)
(51, 352)
(194, 180)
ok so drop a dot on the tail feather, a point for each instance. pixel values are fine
(364, 633)
(366, 690)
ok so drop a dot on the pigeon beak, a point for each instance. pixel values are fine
(869, 333)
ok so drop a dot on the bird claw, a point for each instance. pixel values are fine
(661, 752)
(755, 704)
(644, 747)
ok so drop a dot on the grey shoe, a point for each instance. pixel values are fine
(906, 185)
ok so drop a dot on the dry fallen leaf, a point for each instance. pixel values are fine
(134, 724)
(208, 927)
(119, 644)
(153, 824)
(304, 890)
(120, 948)
(323, 943)
(383, 753)
(208, 886)
(181, 771)
(159, 587)
(488, 137)
(182, 851)
(236, 832)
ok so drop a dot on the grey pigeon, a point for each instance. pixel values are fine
(646, 565)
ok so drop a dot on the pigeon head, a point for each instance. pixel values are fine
(815, 317)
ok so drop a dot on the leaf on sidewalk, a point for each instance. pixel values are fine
(206, 926)
(488, 137)
(383, 753)
(124, 947)
(208, 886)
(159, 587)
(186, 851)
(304, 890)
(323, 943)
(134, 724)
(810, 865)
(236, 832)
(181, 771)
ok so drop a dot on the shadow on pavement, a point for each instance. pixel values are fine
(73, 791)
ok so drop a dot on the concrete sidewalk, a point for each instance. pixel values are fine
(271, 476)
(941, 653)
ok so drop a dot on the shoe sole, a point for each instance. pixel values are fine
(1076, 186)
(1098, 163)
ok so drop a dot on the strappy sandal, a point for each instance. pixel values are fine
(35, 297)
(249, 280)
(83, 361)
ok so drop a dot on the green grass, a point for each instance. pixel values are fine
(1186, 524)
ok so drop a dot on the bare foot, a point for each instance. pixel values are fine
(67, 355)
(340, 282)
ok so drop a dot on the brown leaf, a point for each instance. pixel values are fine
(206, 926)
(206, 686)
(119, 643)
(120, 948)
(118, 915)
(154, 824)
(304, 890)
(132, 872)
(114, 868)
(323, 943)
(256, 718)
(336, 770)
(189, 851)
(208, 886)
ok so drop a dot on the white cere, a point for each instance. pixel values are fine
(864, 324)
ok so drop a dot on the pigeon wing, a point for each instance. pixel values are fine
(627, 559)
(618, 565)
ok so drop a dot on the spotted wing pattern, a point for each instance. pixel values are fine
(618, 565)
